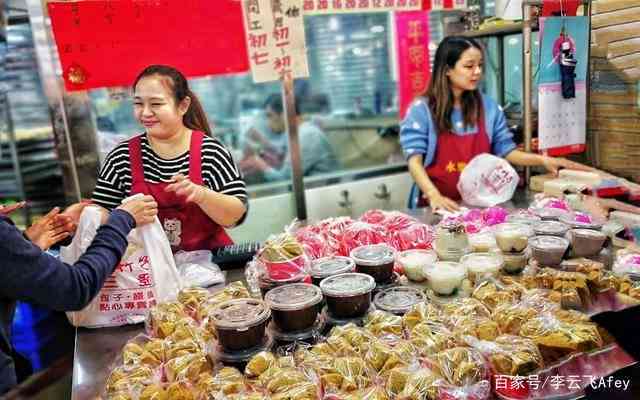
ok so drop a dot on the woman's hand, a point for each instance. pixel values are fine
(142, 209)
(438, 201)
(182, 186)
(50, 229)
(553, 164)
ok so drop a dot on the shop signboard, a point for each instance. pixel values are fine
(275, 39)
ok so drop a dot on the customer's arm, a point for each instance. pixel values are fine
(29, 274)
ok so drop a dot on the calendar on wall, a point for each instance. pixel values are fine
(562, 122)
(562, 92)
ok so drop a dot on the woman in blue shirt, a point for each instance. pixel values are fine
(452, 122)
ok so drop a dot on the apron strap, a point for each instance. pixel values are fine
(195, 157)
(137, 171)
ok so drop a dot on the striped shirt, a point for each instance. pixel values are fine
(219, 172)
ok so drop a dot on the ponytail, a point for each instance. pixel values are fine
(195, 117)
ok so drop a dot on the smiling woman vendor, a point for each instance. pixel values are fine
(452, 122)
(191, 175)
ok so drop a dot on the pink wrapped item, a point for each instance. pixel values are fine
(359, 234)
(414, 236)
(314, 244)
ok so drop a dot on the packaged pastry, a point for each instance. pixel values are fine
(381, 323)
(461, 366)
(371, 393)
(163, 318)
(154, 392)
(491, 294)
(234, 290)
(396, 379)
(422, 312)
(557, 339)
(226, 381)
(126, 376)
(421, 384)
(180, 391)
(465, 307)
(355, 373)
(284, 379)
(299, 391)
(480, 327)
(136, 351)
(183, 348)
(193, 298)
(188, 367)
(431, 338)
(510, 355)
(259, 363)
(511, 317)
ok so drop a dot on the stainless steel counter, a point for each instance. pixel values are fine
(96, 349)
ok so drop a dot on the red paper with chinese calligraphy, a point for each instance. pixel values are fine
(107, 43)
(145, 276)
(414, 69)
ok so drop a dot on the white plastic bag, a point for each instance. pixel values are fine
(487, 180)
(197, 270)
(146, 274)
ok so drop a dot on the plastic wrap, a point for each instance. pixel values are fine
(360, 234)
(283, 256)
(227, 381)
(430, 338)
(413, 236)
(465, 372)
(491, 293)
(422, 312)
(381, 323)
(163, 318)
(313, 243)
(557, 339)
(187, 367)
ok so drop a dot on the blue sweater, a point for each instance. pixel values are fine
(418, 133)
(29, 274)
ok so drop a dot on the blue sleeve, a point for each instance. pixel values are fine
(501, 136)
(29, 274)
(414, 130)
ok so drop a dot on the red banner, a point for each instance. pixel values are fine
(107, 43)
(414, 67)
(560, 7)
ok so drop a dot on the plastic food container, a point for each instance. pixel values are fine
(548, 250)
(451, 241)
(375, 260)
(329, 266)
(267, 284)
(514, 263)
(513, 237)
(581, 221)
(551, 228)
(482, 265)
(482, 242)
(586, 242)
(348, 295)
(240, 359)
(398, 300)
(549, 213)
(294, 307)
(523, 218)
(445, 277)
(413, 262)
(240, 323)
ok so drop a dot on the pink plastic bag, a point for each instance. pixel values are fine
(487, 180)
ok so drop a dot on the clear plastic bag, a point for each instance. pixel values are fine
(487, 180)
(197, 270)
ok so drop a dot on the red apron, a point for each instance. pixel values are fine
(187, 227)
(453, 152)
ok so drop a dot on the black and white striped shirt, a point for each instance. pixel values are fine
(219, 172)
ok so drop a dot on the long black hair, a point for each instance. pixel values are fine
(195, 117)
(439, 93)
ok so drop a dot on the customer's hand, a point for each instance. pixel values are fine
(142, 209)
(440, 202)
(183, 187)
(50, 229)
(6, 210)
(553, 164)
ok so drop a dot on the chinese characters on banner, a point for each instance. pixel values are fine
(414, 69)
(316, 7)
(108, 43)
(443, 4)
(275, 39)
(138, 296)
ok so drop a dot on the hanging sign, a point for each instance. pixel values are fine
(275, 39)
(319, 7)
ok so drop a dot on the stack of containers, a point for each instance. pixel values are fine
(295, 312)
